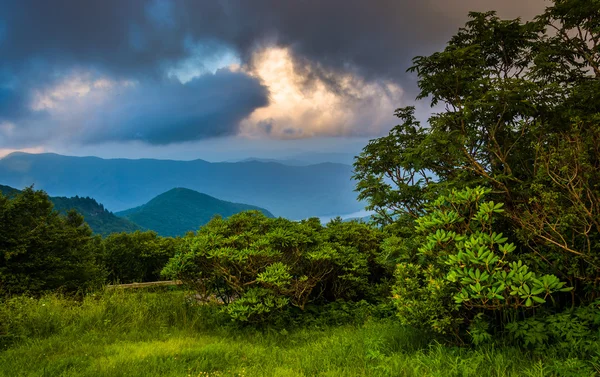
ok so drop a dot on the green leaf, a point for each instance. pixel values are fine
(538, 299)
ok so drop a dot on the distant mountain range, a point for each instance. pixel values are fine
(98, 218)
(180, 210)
(306, 159)
(272, 160)
(293, 192)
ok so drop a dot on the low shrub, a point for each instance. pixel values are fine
(468, 282)
(261, 267)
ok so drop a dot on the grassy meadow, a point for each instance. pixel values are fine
(164, 333)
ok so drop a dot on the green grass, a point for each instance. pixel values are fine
(164, 334)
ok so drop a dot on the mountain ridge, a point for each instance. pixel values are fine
(289, 191)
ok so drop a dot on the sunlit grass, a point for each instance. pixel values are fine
(163, 334)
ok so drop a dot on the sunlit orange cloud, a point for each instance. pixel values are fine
(297, 110)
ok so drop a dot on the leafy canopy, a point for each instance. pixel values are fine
(521, 116)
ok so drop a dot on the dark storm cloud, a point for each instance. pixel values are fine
(111, 34)
(169, 112)
(11, 102)
(42, 41)
(377, 37)
(156, 112)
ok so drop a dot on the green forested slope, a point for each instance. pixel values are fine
(98, 218)
(95, 215)
(181, 210)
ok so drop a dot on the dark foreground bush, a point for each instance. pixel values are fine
(41, 250)
(137, 257)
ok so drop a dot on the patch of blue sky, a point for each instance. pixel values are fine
(205, 57)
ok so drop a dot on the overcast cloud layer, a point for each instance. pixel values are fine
(163, 72)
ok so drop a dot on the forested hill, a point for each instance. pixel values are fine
(294, 192)
(181, 210)
(96, 216)
(8, 191)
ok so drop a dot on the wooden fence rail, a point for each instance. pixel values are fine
(148, 284)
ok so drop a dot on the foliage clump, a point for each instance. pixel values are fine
(467, 276)
(136, 257)
(261, 267)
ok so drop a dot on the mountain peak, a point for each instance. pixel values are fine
(180, 210)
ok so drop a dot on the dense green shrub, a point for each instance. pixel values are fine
(137, 257)
(260, 267)
(41, 250)
(468, 277)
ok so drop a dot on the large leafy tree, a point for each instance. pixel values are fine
(521, 105)
(41, 250)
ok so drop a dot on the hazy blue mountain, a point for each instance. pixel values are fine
(288, 162)
(96, 216)
(294, 192)
(363, 215)
(181, 210)
(315, 158)
(306, 159)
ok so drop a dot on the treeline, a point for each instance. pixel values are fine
(264, 271)
(42, 249)
(269, 270)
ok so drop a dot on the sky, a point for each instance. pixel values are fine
(216, 79)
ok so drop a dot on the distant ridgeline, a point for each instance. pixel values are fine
(96, 216)
(181, 210)
(293, 192)
(173, 213)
